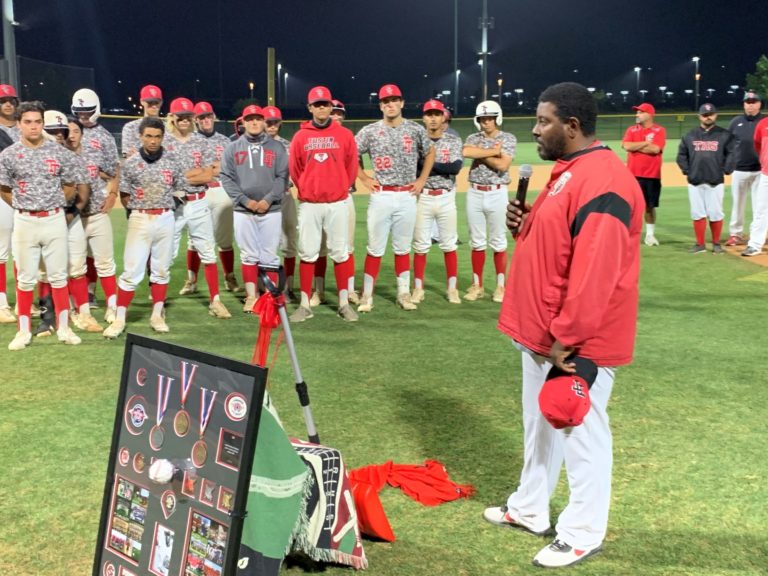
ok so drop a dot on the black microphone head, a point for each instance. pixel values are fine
(526, 170)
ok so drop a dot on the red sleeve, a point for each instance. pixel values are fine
(627, 137)
(352, 160)
(661, 141)
(295, 160)
(757, 138)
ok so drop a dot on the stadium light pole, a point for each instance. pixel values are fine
(9, 45)
(285, 92)
(279, 75)
(484, 24)
(637, 79)
(697, 78)
(456, 55)
(456, 92)
(250, 87)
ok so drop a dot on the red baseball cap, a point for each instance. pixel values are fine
(388, 91)
(319, 94)
(339, 105)
(434, 105)
(252, 110)
(564, 398)
(7, 91)
(151, 93)
(645, 107)
(272, 113)
(182, 106)
(203, 108)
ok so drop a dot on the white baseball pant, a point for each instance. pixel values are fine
(759, 227)
(98, 234)
(706, 201)
(586, 451)
(741, 184)
(148, 236)
(393, 212)
(258, 236)
(220, 205)
(350, 201)
(290, 226)
(76, 251)
(6, 230)
(442, 211)
(40, 237)
(195, 215)
(323, 220)
(487, 210)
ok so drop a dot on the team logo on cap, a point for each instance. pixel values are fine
(578, 389)
(6, 90)
(152, 92)
(389, 90)
(185, 105)
(320, 92)
(81, 102)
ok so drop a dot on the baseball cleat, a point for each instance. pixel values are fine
(301, 314)
(366, 303)
(650, 240)
(110, 314)
(347, 314)
(250, 302)
(498, 294)
(475, 292)
(404, 302)
(751, 251)
(218, 310)
(316, 299)
(417, 295)
(500, 516)
(114, 330)
(354, 298)
(20, 341)
(44, 329)
(717, 249)
(292, 297)
(65, 335)
(92, 302)
(157, 323)
(735, 240)
(189, 287)
(86, 322)
(453, 296)
(230, 282)
(697, 249)
(559, 554)
(6, 316)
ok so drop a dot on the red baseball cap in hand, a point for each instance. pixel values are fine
(564, 398)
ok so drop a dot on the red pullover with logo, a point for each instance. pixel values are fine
(323, 162)
(575, 271)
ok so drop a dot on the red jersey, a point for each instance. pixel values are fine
(575, 271)
(323, 162)
(761, 144)
(641, 164)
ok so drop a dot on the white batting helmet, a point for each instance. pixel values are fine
(86, 100)
(55, 120)
(488, 108)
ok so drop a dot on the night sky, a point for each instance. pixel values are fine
(354, 46)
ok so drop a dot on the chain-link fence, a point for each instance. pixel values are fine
(52, 83)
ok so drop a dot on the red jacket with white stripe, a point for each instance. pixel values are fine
(575, 271)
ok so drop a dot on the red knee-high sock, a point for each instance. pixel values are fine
(478, 263)
(24, 303)
(402, 263)
(372, 266)
(419, 267)
(451, 264)
(320, 266)
(700, 228)
(109, 286)
(342, 271)
(124, 297)
(43, 289)
(250, 273)
(212, 279)
(289, 263)
(500, 262)
(159, 292)
(90, 272)
(306, 273)
(193, 261)
(227, 258)
(716, 228)
(78, 287)
(61, 301)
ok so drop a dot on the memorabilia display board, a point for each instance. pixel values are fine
(180, 464)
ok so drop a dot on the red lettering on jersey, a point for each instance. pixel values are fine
(93, 171)
(140, 193)
(95, 144)
(705, 145)
(197, 158)
(269, 158)
(240, 157)
(445, 155)
(167, 176)
(407, 144)
(382, 162)
(53, 166)
(22, 187)
(219, 150)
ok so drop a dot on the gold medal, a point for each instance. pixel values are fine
(181, 423)
(199, 453)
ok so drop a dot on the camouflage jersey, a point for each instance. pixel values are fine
(394, 150)
(479, 173)
(216, 142)
(129, 139)
(447, 150)
(12, 131)
(36, 175)
(151, 185)
(99, 153)
(194, 153)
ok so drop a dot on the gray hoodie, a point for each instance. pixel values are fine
(254, 168)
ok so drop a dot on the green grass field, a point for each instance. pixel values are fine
(689, 487)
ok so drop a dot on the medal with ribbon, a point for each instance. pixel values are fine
(200, 449)
(181, 421)
(157, 434)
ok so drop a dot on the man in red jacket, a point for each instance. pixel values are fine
(323, 165)
(572, 289)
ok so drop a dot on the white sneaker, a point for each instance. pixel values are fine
(110, 314)
(218, 310)
(404, 302)
(475, 292)
(500, 516)
(498, 294)
(453, 296)
(189, 287)
(316, 299)
(6, 316)
(354, 298)
(114, 330)
(230, 282)
(417, 295)
(157, 323)
(366, 303)
(20, 341)
(301, 314)
(559, 554)
(250, 302)
(65, 334)
(650, 240)
(347, 314)
(86, 322)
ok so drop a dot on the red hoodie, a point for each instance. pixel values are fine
(575, 271)
(323, 162)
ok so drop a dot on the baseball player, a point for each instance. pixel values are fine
(273, 119)
(36, 179)
(151, 98)
(10, 133)
(746, 174)
(705, 154)
(254, 172)
(238, 128)
(644, 143)
(323, 164)
(98, 149)
(149, 181)
(492, 152)
(219, 203)
(437, 203)
(395, 146)
(759, 227)
(197, 159)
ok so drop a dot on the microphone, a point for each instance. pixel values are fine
(526, 170)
